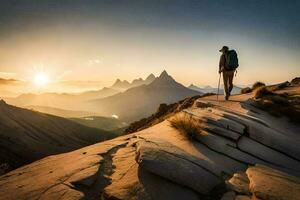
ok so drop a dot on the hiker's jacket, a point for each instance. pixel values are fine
(222, 63)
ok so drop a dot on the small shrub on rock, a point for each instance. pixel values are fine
(246, 90)
(187, 125)
(257, 85)
(296, 81)
(279, 86)
(278, 104)
(262, 92)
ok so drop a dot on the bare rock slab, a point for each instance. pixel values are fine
(177, 168)
(243, 197)
(269, 184)
(239, 183)
(228, 196)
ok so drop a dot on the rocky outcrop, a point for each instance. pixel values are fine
(264, 183)
(296, 81)
(171, 163)
(240, 153)
(239, 183)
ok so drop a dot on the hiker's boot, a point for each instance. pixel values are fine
(226, 97)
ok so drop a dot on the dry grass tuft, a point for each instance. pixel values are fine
(187, 125)
(279, 86)
(296, 81)
(257, 85)
(278, 104)
(246, 90)
(261, 92)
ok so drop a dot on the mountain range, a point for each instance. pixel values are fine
(124, 85)
(129, 101)
(138, 102)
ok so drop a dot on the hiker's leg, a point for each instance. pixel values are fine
(230, 80)
(225, 80)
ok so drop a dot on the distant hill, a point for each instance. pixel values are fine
(141, 101)
(105, 123)
(209, 89)
(67, 101)
(121, 85)
(26, 136)
(94, 94)
(124, 85)
(61, 112)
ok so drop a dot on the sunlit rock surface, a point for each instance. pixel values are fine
(242, 153)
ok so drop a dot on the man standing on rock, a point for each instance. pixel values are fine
(228, 64)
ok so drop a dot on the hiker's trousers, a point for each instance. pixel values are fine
(228, 81)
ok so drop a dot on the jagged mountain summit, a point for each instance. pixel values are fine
(150, 78)
(165, 80)
(124, 85)
(26, 136)
(120, 85)
(138, 102)
(239, 151)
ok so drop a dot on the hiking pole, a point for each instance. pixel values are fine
(218, 87)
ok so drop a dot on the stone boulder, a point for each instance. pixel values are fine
(269, 184)
(239, 183)
(178, 168)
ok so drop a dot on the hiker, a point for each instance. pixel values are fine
(228, 64)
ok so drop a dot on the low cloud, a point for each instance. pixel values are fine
(80, 83)
(94, 61)
(7, 75)
(4, 81)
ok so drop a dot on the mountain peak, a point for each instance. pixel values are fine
(165, 79)
(164, 74)
(120, 84)
(118, 81)
(150, 77)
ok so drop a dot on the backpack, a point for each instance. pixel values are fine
(232, 61)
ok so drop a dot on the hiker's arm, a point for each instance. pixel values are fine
(221, 63)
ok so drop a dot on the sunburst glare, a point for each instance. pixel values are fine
(41, 79)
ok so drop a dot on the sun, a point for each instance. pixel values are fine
(41, 79)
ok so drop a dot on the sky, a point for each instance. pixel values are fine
(87, 44)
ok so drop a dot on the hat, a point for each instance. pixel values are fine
(224, 48)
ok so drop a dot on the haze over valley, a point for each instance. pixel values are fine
(119, 100)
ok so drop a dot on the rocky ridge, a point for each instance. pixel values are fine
(241, 152)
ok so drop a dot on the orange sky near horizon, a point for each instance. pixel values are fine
(187, 60)
(89, 49)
